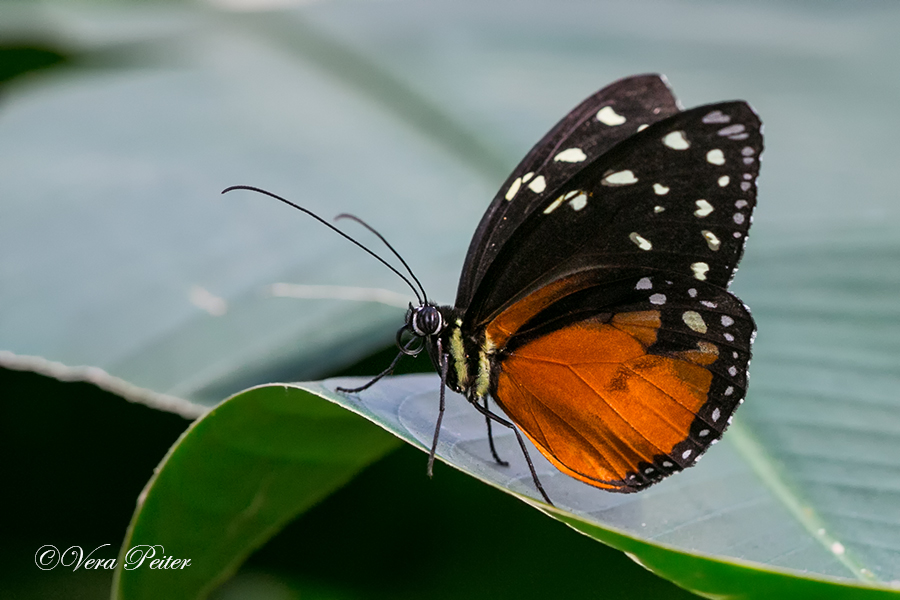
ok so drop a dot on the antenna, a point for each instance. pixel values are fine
(419, 297)
(391, 248)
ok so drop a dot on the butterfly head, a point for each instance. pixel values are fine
(425, 320)
(424, 323)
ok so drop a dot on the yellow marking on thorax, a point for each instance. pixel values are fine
(458, 352)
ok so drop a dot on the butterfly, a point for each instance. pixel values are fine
(593, 304)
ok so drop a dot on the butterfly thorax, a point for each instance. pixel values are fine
(468, 356)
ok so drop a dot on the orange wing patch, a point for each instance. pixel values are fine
(596, 404)
(501, 328)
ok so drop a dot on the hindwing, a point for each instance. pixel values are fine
(622, 376)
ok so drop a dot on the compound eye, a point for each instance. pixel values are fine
(426, 320)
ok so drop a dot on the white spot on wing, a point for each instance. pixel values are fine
(608, 116)
(658, 209)
(660, 189)
(703, 208)
(732, 130)
(700, 269)
(738, 218)
(641, 242)
(572, 155)
(740, 204)
(686, 454)
(514, 188)
(693, 320)
(727, 321)
(716, 413)
(723, 180)
(527, 176)
(692, 293)
(538, 185)
(658, 299)
(715, 157)
(676, 141)
(644, 283)
(711, 240)
(642, 127)
(619, 178)
(716, 116)
(579, 201)
(554, 205)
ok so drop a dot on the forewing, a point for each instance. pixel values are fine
(677, 196)
(600, 122)
(628, 376)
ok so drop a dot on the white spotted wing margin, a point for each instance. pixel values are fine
(705, 323)
(603, 120)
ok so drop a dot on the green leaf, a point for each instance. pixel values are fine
(233, 480)
(735, 526)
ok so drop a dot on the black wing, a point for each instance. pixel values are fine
(675, 197)
(596, 125)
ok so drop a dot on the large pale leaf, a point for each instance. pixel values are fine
(742, 524)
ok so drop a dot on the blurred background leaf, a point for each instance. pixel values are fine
(118, 252)
(121, 265)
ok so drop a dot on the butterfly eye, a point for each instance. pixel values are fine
(426, 320)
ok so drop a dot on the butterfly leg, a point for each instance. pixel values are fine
(487, 420)
(491, 416)
(366, 386)
(437, 427)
